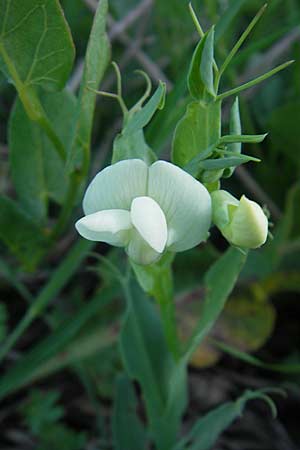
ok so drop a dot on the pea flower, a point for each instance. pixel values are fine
(242, 222)
(146, 210)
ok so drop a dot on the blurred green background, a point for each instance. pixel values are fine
(58, 382)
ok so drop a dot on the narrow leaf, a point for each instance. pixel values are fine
(96, 60)
(223, 163)
(243, 138)
(288, 368)
(219, 282)
(143, 116)
(128, 430)
(140, 338)
(255, 81)
(235, 128)
(241, 40)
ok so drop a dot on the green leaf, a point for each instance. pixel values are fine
(35, 167)
(36, 46)
(128, 430)
(3, 321)
(140, 338)
(219, 282)
(62, 348)
(41, 409)
(60, 277)
(289, 368)
(207, 429)
(199, 128)
(140, 118)
(222, 163)
(244, 138)
(131, 146)
(21, 234)
(96, 60)
(200, 77)
(130, 143)
(235, 128)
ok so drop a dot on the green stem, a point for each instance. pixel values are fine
(59, 279)
(252, 83)
(168, 315)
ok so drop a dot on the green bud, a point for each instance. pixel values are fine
(242, 222)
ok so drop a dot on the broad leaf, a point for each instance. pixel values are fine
(36, 49)
(199, 128)
(96, 60)
(35, 43)
(37, 171)
(21, 234)
(128, 430)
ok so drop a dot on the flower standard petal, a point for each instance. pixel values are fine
(149, 220)
(185, 202)
(111, 226)
(116, 186)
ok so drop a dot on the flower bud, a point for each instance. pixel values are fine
(242, 222)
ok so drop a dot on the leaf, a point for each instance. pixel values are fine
(35, 167)
(59, 349)
(140, 338)
(36, 46)
(41, 410)
(219, 282)
(58, 280)
(200, 77)
(235, 128)
(222, 163)
(288, 368)
(142, 117)
(199, 128)
(244, 138)
(131, 146)
(130, 143)
(96, 60)
(129, 432)
(21, 234)
(3, 321)
(207, 429)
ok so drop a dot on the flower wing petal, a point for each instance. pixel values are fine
(185, 202)
(149, 220)
(110, 226)
(116, 186)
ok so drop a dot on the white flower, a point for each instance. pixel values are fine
(147, 210)
(242, 222)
